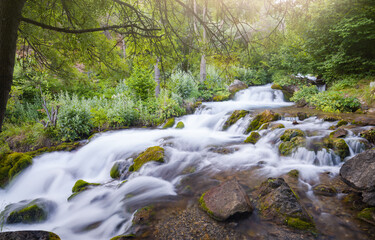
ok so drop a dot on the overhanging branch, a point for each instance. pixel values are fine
(89, 30)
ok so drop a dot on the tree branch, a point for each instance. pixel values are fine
(89, 30)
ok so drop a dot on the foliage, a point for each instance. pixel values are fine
(141, 83)
(335, 102)
(305, 94)
(183, 84)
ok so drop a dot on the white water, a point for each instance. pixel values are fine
(111, 205)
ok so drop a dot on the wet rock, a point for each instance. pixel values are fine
(223, 150)
(301, 116)
(11, 165)
(288, 90)
(359, 173)
(151, 154)
(169, 123)
(368, 215)
(180, 125)
(28, 212)
(369, 135)
(115, 171)
(338, 145)
(220, 98)
(324, 190)
(124, 237)
(81, 186)
(225, 200)
(29, 235)
(234, 117)
(143, 215)
(253, 138)
(279, 203)
(339, 133)
(276, 126)
(262, 118)
(236, 86)
(341, 123)
(291, 133)
(293, 173)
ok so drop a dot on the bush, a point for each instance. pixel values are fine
(141, 84)
(335, 102)
(183, 84)
(305, 94)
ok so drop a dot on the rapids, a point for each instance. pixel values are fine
(106, 210)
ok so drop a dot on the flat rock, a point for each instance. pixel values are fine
(359, 171)
(339, 133)
(29, 235)
(226, 200)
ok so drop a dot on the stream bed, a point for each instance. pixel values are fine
(199, 156)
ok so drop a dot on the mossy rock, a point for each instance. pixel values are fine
(293, 173)
(35, 211)
(299, 224)
(341, 123)
(180, 125)
(264, 126)
(169, 123)
(369, 135)
(253, 138)
(234, 117)
(291, 133)
(11, 165)
(220, 98)
(288, 147)
(367, 214)
(276, 86)
(115, 171)
(123, 237)
(262, 118)
(324, 190)
(67, 146)
(277, 126)
(151, 154)
(143, 215)
(81, 186)
(338, 145)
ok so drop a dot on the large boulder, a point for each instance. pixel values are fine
(359, 173)
(225, 200)
(151, 154)
(262, 118)
(28, 212)
(279, 203)
(236, 86)
(234, 117)
(11, 165)
(29, 235)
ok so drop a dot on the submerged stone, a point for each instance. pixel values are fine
(288, 147)
(324, 190)
(338, 145)
(253, 138)
(234, 117)
(151, 154)
(262, 118)
(279, 203)
(291, 133)
(367, 214)
(276, 126)
(81, 186)
(115, 171)
(225, 200)
(169, 123)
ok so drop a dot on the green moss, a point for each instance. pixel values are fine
(234, 117)
(367, 214)
(143, 215)
(203, 205)
(369, 135)
(341, 123)
(291, 133)
(170, 122)
(30, 214)
(115, 171)
(180, 125)
(11, 165)
(68, 146)
(299, 224)
(276, 86)
(151, 154)
(341, 148)
(264, 126)
(253, 138)
(262, 118)
(293, 173)
(53, 236)
(276, 126)
(220, 98)
(82, 185)
(286, 148)
(128, 236)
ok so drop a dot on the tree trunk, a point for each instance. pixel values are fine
(10, 15)
(203, 73)
(157, 78)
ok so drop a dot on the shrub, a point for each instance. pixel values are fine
(305, 94)
(183, 84)
(335, 102)
(141, 83)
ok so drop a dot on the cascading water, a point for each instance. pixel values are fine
(106, 210)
